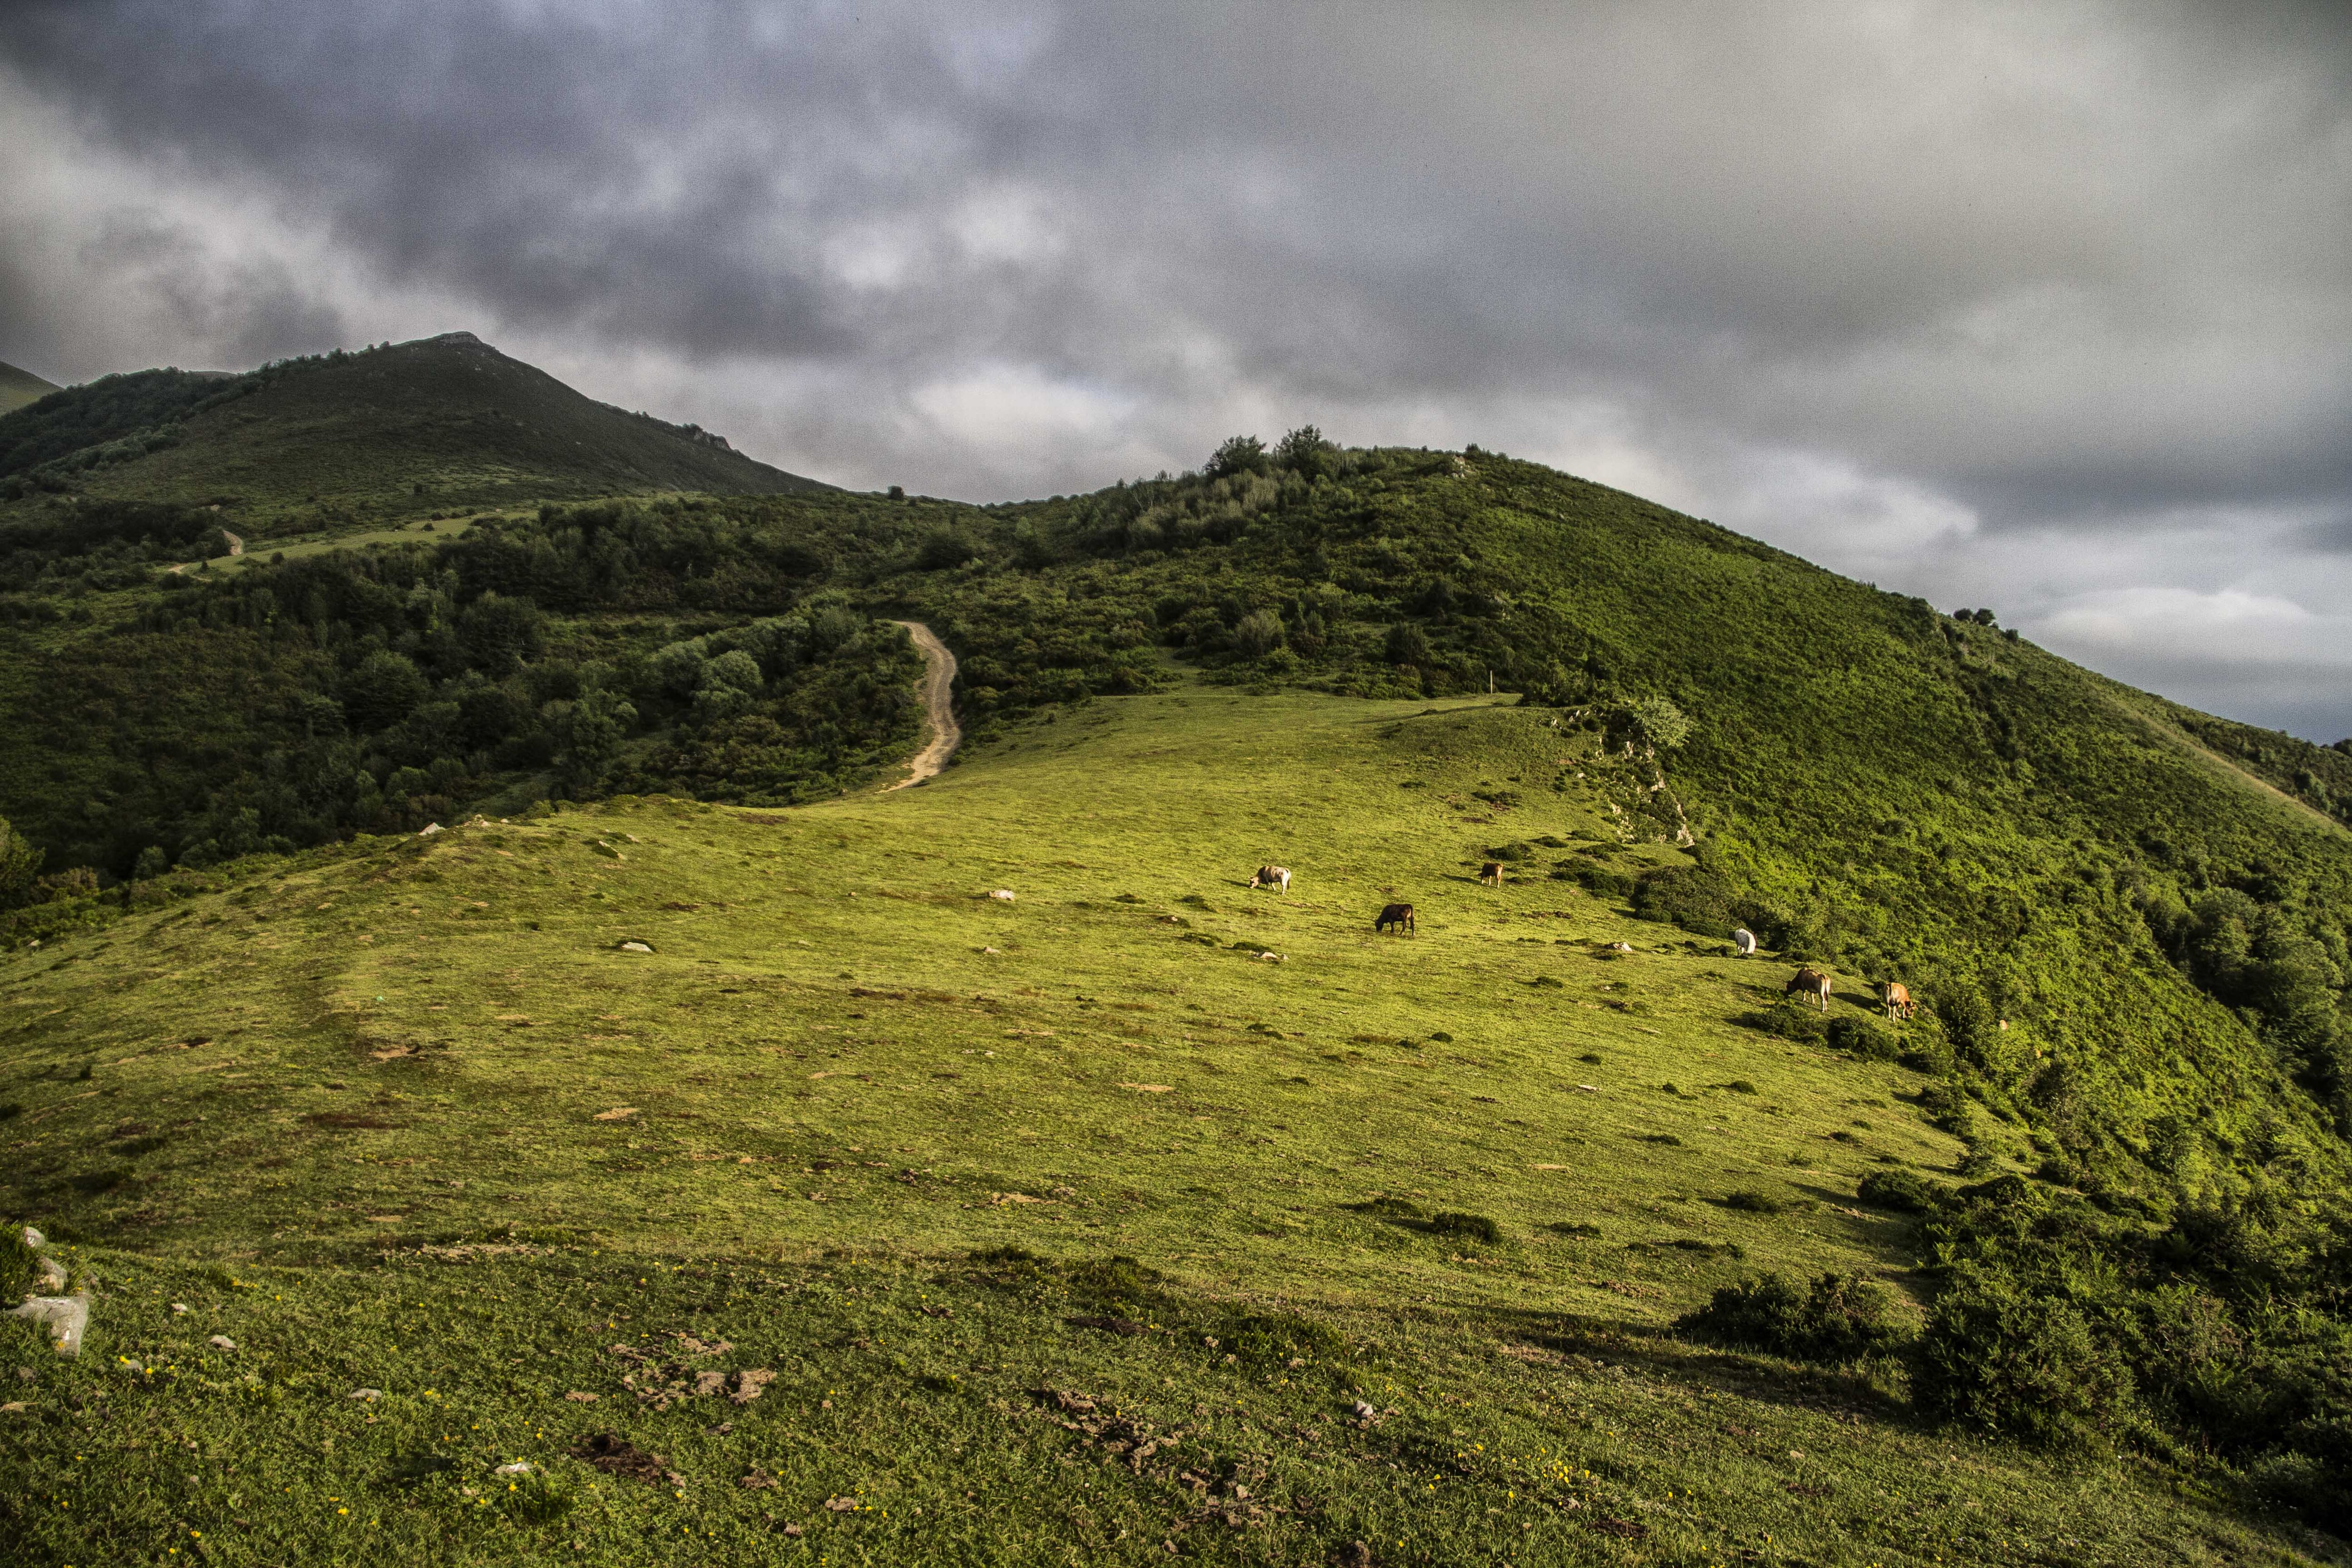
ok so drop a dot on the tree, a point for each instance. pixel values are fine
(1239, 454)
(20, 862)
(1304, 452)
(945, 547)
(383, 689)
(590, 731)
(1407, 644)
(1259, 634)
(1661, 723)
(498, 633)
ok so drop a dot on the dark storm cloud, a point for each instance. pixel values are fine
(2024, 296)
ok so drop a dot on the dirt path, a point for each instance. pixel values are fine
(938, 697)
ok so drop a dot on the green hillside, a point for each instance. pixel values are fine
(19, 387)
(1624, 1258)
(438, 427)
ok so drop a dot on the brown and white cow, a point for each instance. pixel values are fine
(1275, 877)
(1397, 915)
(1812, 983)
(1492, 871)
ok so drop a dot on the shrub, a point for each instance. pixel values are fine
(1697, 899)
(1257, 634)
(2014, 1364)
(1787, 1020)
(1602, 880)
(1476, 1227)
(1512, 854)
(943, 548)
(1753, 1203)
(1931, 1057)
(1861, 1037)
(1407, 644)
(1947, 1105)
(1841, 1317)
(1906, 1191)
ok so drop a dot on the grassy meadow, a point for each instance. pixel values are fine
(1142, 1216)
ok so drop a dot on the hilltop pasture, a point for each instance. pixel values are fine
(1140, 1215)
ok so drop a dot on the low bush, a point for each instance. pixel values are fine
(1841, 1317)
(1787, 1020)
(1476, 1227)
(2002, 1357)
(1932, 1057)
(1906, 1192)
(1599, 879)
(1753, 1203)
(1861, 1037)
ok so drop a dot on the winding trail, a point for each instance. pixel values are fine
(938, 697)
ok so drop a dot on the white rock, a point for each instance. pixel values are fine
(1005, 894)
(34, 1238)
(221, 1343)
(179, 1309)
(634, 947)
(517, 1468)
(429, 829)
(67, 1317)
(367, 1395)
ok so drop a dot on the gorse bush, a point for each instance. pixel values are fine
(2018, 1363)
(1475, 1226)
(1837, 1318)
(1861, 1037)
(1904, 1191)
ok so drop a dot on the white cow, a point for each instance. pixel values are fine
(1275, 877)
(1745, 941)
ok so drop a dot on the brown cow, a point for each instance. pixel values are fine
(1492, 871)
(1894, 998)
(1813, 984)
(1397, 915)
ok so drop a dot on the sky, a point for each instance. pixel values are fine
(2045, 308)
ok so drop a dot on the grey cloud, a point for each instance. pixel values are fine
(1892, 282)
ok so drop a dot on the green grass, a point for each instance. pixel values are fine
(450, 1139)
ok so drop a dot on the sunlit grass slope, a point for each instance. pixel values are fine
(409, 1117)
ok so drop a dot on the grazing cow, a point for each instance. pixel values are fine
(1745, 941)
(1492, 871)
(1894, 998)
(1813, 984)
(1275, 877)
(1397, 915)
